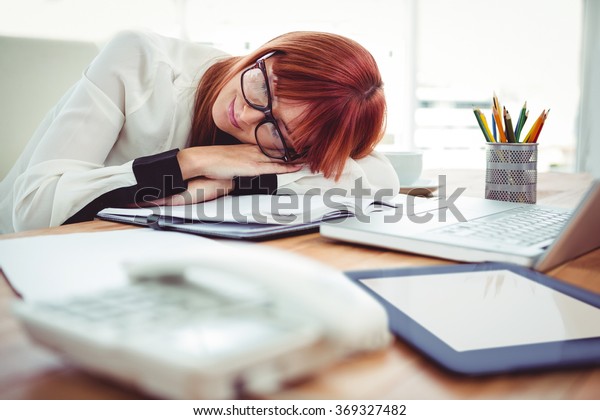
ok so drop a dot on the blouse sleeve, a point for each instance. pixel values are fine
(66, 169)
(371, 176)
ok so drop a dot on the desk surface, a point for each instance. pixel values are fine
(398, 373)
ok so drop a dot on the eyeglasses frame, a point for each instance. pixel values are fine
(288, 154)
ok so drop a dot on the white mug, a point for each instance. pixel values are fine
(408, 166)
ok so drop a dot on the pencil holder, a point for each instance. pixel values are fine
(511, 172)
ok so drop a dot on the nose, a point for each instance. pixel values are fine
(251, 116)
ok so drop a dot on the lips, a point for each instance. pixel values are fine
(231, 113)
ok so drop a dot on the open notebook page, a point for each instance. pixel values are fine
(274, 209)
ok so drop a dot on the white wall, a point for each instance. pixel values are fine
(35, 73)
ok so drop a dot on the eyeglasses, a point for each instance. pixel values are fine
(257, 93)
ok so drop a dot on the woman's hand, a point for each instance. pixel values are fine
(198, 190)
(225, 162)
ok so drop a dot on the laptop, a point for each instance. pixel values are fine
(476, 230)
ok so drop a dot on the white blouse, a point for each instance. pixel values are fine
(135, 99)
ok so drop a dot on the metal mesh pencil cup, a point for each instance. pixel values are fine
(511, 172)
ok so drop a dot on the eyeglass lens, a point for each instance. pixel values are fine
(256, 92)
(268, 137)
(255, 87)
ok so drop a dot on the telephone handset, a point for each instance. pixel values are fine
(216, 323)
(297, 285)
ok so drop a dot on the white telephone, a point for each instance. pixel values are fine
(240, 319)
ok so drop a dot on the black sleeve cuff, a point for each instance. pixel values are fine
(261, 184)
(120, 197)
(159, 174)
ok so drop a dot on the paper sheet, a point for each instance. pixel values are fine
(261, 208)
(56, 266)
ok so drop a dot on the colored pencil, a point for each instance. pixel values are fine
(487, 128)
(483, 125)
(521, 121)
(503, 130)
(545, 113)
(498, 119)
(534, 129)
(510, 134)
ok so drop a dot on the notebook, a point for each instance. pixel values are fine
(476, 230)
(225, 230)
(249, 217)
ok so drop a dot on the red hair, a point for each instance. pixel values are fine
(336, 78)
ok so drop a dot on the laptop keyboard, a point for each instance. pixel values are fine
(522, 227)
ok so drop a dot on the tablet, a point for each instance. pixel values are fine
(488, 318)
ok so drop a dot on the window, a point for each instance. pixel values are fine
(524, 50)
(438, 58)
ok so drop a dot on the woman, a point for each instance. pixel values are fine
(161, 120)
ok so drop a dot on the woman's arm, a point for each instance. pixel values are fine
(371, 176)
(226, 162)
(65, 161)
(214, 171)
(199, 190)
(66, 168)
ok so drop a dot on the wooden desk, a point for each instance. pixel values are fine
(398, 373)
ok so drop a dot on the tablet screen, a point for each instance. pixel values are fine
(488, 309)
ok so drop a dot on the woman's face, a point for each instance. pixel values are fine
(232, 114)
